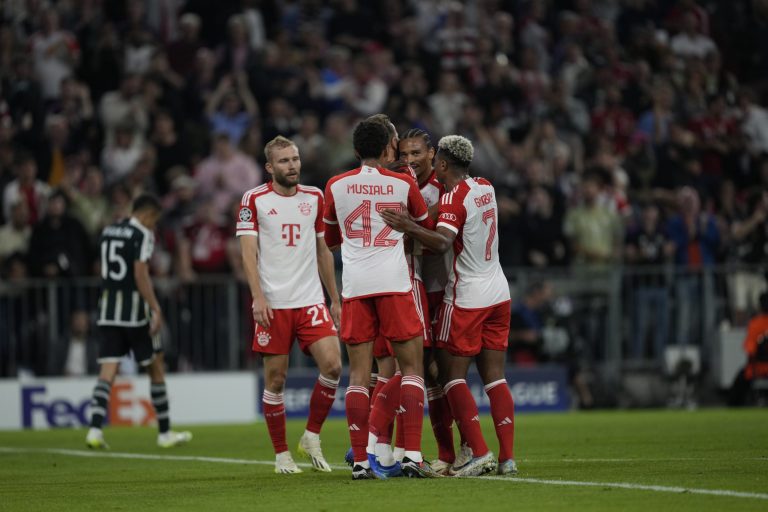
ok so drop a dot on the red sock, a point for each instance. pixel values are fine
(357, 404)
(320, 403)
(412, 411)
(464, 411)
(503, 413)
(385, 407)
(380, 382)
(400, 433)
(442, 421)
(274, 416)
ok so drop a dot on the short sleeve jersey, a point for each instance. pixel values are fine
(372, 252)
(475, 279)
(121, 244)
(287, 228)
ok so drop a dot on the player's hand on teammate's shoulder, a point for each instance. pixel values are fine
(262, 311)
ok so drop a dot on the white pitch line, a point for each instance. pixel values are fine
(540, 481)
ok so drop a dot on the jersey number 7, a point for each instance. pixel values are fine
(490, 215)
(364, 211)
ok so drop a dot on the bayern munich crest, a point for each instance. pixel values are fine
(263, 339)
(245, 214)
(305, 208)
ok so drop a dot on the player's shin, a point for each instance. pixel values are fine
(99, 403)
(464, 411)
(357, 405)
(274, 417)
(412, 411)
(320, 403)
(159, 397)
(503, 413)
(442, 420)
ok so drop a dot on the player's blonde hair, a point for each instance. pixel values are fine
(457, 148)
(278, 142)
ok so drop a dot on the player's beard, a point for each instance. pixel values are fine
(286, 181)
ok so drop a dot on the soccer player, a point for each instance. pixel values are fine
(428, 274)
(130, 318)
(377, 292)
(285, 257)
(473, 322)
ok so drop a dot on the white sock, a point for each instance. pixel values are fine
(311, 435)
(371, 448)
(398, 454)
(384, 453)
(414, 456)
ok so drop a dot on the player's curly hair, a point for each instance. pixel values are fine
(456, 149)
(278, 142)
(370, 139)
(414, 133)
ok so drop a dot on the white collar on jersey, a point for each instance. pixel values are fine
(369, 170)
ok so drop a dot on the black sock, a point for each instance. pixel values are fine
(99, 403)
(160, 401)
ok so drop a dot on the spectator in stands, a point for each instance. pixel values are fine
(183, 51)
(120, 156)
(76, 352)
(542, 233)
(649, 248)
(655, 123)
(15, 234)
(593, 229)
(231, 108)
(526, 344)
(55, 54)
(236, 56)
(750, 237)
(59, 246)
(613, 120)
(170, 149)
(89, 203)
(364, 93)
(54, 149)
(754, 124)
(202, 244)
(124, 106)
(696, 239)
(26, 187)
(312, 145)
(691, 42)
(226, 173)
(447, 103)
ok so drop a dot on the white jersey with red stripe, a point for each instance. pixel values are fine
(287, 228)
(372, 252)
(475, 279)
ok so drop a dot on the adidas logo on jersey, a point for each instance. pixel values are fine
(476, 418)
(354, 427)
(505, 421)
(400, 410)
(272, 212)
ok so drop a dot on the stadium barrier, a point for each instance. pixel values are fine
(65, 402)
(602, 318)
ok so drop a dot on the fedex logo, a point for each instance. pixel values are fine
(484, 200)
(39, 408)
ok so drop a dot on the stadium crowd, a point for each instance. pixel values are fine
(613, 130)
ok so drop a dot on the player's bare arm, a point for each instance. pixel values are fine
(437, 241)
(262, 311)
(327, 273)
(144, 284)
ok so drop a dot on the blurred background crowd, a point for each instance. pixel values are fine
(615, 131)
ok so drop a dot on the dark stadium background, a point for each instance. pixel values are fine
(583, 114)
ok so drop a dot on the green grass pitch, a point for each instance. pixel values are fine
(658, 460)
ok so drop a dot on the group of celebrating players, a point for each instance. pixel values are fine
(423, 294)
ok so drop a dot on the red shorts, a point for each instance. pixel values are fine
(434, 302)
(465, 332)
(393, 317)
(382, 347)
(307, 324)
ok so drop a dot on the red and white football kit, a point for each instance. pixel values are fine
(287, 228)
(376, 287)
(476, 309)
